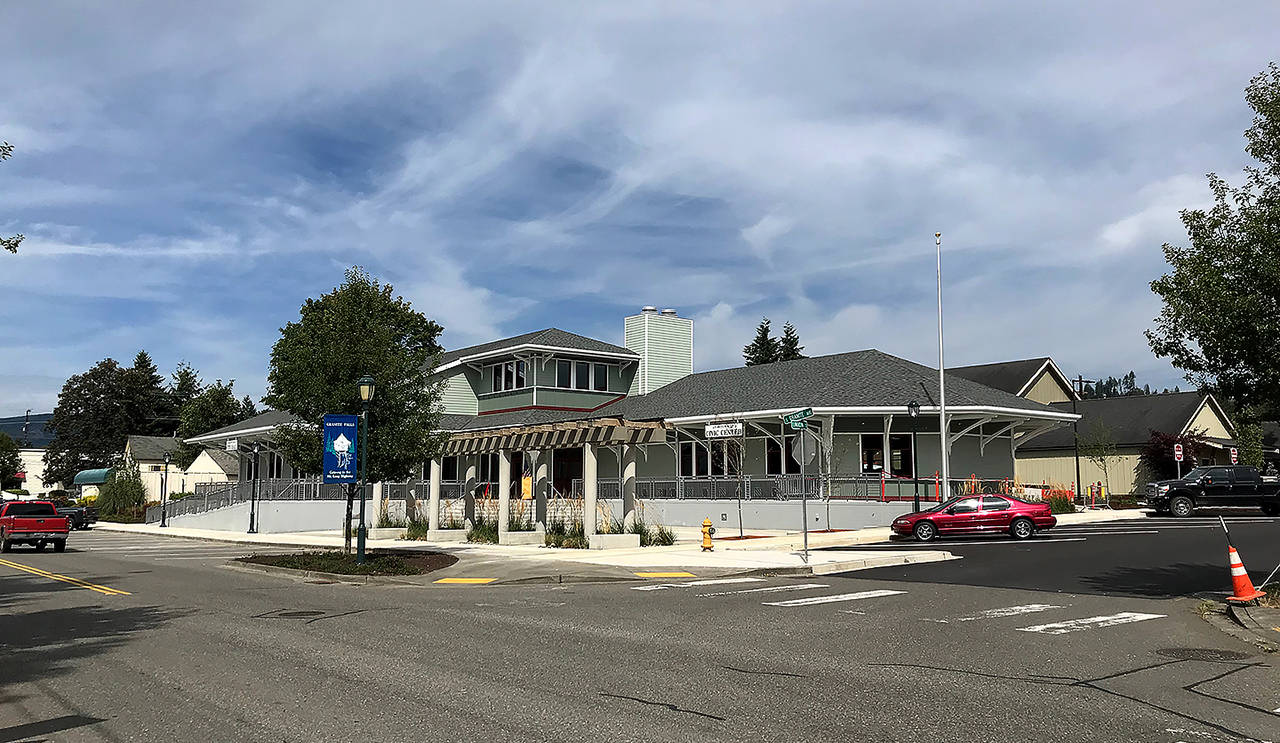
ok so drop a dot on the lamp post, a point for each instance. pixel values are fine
(913, 409)
(367, 388)
(944, 430)
(253, 493)
(1077, 387)
(164, 492)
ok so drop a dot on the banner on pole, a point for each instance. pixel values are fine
(340, 442)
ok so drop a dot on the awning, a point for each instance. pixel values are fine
(601, 431)
(92, 477)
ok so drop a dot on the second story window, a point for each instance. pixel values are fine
(509, 375)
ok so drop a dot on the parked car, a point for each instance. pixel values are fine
(1209, 487)
(81, 516)
(977, 514)
(32, 522)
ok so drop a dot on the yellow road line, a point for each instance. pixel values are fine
(107, 590)
(676, 574)
(467, 581)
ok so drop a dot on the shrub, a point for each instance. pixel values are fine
(1060, 504)
(417, 529)
(483, 531)
(123, 496)
(180, 496)
(663, 536)
(17, 491)
(387, 521)
(568, 536)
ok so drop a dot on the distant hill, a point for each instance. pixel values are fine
(37, 434)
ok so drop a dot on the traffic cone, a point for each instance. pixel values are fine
(1241, 586)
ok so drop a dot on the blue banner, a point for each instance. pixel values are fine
(340, 437)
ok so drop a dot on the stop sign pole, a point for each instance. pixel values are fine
(1177, 457)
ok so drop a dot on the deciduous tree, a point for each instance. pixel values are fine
(10, 463)
(9, 243)
(216, 406)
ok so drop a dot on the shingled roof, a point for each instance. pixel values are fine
(552, 337)
(1010, 376)
(1130, 419)
(269, 419)
(151, 448)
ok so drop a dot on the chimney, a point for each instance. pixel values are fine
(664, 341)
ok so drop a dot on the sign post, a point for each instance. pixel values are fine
(1177, 457)
(796, 421)
(1235, 456)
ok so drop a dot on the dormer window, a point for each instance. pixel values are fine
(509, 375)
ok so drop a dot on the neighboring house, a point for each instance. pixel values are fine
(148, 453)
(238, 441)
(32, 435)
(213, 465)
(1035, 379)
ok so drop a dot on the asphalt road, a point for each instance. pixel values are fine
(1069, 647)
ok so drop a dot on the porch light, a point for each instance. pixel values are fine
(913, 409)
(367, 388)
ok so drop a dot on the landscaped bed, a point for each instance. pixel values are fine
(397, 563)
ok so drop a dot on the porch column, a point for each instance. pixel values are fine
(433, 490)
(504, 491)
(629, 484)
(469, 492)
(887, 469)
(541, 481)
(589, 488)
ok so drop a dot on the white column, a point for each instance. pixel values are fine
(504, 491)
(469, 492)
(433, 489)
(589, 477)
(541, 481)
(629, 505)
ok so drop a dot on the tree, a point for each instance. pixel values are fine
(789, 348)
(359, 328)
(1156, 457)
(247, 408)
(764, 348)
(9, 243)
(90, 423)
(184, 386)
(216, 406)
(1221, 316)
(149, 404)
(122, 497)
(1098, 445)
(10, 463)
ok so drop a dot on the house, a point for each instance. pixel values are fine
(1035, 379)
(211, 466)
(151, 454)
(249, 444)
(32, 435)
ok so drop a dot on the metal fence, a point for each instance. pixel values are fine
(780, 487)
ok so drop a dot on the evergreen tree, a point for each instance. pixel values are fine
(764, 348)
(247, 408)
(149, 408)
(789, 348)
(184, 386)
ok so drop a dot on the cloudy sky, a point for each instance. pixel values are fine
(187, 177)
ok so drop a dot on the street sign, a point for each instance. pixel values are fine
(233, 444)
(340, 439)
(1235, 456)
(797, 425)
(1177, 452)
(796, 419)
(724, 430)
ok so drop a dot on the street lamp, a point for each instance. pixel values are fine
(253, 492)
(367, 388)
(913, 409)
(944, 429)
(164, 492)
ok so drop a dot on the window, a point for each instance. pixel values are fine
(994, 503)
(687, 455)
(275, 466)
(487, 469)
(30, 509)
(900, 462)
(509, 375)
(1244, 474)
(449, 469)
(1220, 474)
(520, 384)
(601, 381)
(564, 374)
(497, 377)
(967, 505)
(775, 463)
(582, 372)
(872, 454)
(717, 459)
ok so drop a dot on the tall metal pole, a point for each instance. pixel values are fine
(742, 473)
(943, 429)
(915, 474)
(164, 492)
(1075, 428)
(804, 499)
(364, 480)
(253, 494)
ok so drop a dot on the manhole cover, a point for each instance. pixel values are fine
(300, 614)
(1205, 654)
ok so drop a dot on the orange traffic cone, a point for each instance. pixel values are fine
(1241, 586)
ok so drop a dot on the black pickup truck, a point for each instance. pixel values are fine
(79, 517)
(1211, 487)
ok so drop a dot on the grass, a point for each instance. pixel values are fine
(1272, 599)
(339, 563)
(386, 521)
(483, 531)
(567, 536)
(1206, 607)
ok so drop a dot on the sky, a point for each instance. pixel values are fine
(187, 176)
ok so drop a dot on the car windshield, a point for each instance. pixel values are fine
(1196, 473)
(30, 509)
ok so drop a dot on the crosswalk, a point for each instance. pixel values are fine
(153, 549)
(766, 590)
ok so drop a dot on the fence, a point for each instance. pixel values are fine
(210, 496)
(781, 487)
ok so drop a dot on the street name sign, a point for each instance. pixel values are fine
(233, 444)
(723, 430)
(1235, 456)
(340, 437)
(796, 419)
(1177, 452)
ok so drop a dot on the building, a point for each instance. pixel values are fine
(149, 454)
(32, 435)
(212, 466)
(1035, 379)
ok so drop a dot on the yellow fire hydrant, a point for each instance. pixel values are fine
(707, 531)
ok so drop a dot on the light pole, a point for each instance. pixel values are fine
(367, 388)
(164, 492)
(944, 431)
(253, 493)
(1077, 387)
(913, 409)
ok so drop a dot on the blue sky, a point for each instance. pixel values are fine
(186, 177)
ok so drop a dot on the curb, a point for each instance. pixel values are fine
(848, 566)
(359, 580)
(1230, 625)
(109, 526)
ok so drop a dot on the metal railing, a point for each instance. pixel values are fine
(211, 496)
(777, 487)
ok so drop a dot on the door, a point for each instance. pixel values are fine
(996, 515)
(1244, 486)
(1217, 487)
(960, 518)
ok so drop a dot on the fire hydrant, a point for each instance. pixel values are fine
(707, 531)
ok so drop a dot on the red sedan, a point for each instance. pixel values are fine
(977, 514)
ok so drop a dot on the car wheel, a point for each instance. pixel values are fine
(60, 546)
(1181, 506)
(6, 546)
(39, 546)
(1022, 529)
(1270, 510)
(925, 531)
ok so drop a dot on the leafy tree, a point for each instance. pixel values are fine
(359, 328)
(122, 497)
(789, 348)
(216, 406)
(1221, 314)
(184, 386)
(764, 348)
(1156, 458)
(1249, 443)
(10, 463)
(90, 423)
(9, 243)
(1098, 445)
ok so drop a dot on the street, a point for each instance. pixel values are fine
(1087, 634)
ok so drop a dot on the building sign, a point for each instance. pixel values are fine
(233, 444)
(1235, 456)
(796, 419)
(1177, 452)
(724, 430)
(340, 448)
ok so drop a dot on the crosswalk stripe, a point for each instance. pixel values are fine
(831, 599)
(767, 589)
(1008, 611)
(708, 582)
(1076, 625)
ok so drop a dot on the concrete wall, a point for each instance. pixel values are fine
(276, 517)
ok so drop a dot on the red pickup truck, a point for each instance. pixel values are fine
(32, 522)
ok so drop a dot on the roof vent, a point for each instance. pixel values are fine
(669, 312)
(649, 308)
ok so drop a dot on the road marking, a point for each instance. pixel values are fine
(676, 574)
(1008, 611)
(1024, 542)
(1103, 533)
(708, 582)
(66, 579)
(767, 589)
(813, 600)
(466, 581)
(1076, 625)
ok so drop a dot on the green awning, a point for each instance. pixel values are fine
(92, 477)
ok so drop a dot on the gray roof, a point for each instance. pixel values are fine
(226, 461)
(1010, 376)
(547, 337)
(151, 448)
(271, 418)
(1130, 419)
(37, 433)
(531, 417)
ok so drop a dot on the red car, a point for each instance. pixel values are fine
(977, 514)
